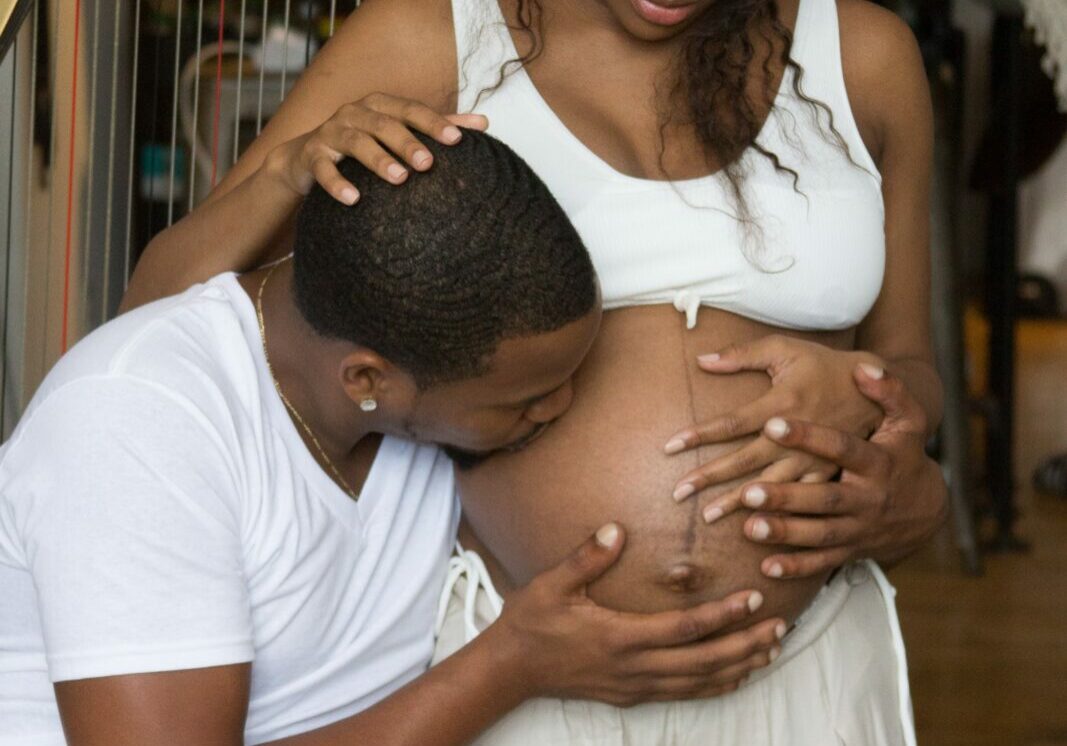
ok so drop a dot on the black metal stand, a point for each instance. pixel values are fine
(943, 52)
(1001, 277)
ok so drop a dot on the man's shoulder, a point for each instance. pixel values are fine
(142, 410)
(188, 353)
(175, 343)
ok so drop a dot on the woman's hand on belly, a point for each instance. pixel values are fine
(890, 498)
(809, 382)
(559, 643)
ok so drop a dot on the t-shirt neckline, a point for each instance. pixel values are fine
(354, 513)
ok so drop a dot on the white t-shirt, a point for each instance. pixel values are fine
(159, 511)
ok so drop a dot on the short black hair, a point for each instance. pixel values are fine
(435, 273)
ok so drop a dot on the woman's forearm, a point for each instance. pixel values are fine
(233, 231)
(923, 382)
(926, 493)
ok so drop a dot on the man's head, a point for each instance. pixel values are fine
(466, 295)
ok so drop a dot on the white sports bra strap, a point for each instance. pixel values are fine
(483, 44)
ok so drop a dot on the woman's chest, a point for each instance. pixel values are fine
(796, 241)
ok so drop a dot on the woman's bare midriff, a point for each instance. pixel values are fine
(604, 461)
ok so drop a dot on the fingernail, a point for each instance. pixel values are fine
(674, 445)
(709, 358)
(396, 172)
(754, 602)
(349, 195)
(761, 530)
(451, 134)
(779, 630)
(712, 514)
(422, 158)
(755, 496)
(776, 427)
(872, 371)
(607, 535)
(773, 655)
(684, 491)
(775, 571)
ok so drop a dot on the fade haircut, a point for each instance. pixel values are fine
(434, 274)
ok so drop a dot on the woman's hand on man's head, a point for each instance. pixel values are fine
(377, 130)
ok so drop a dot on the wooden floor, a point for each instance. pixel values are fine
(988, 656)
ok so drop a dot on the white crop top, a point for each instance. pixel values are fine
(819, 259)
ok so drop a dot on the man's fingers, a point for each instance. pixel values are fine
(730, 426)
(708, 657)
(697, 693)
(699, 684)
(804, 564)
(738, 672)
(844, 449)
(586, 563)
(825, 498)
(749, 459)
(669, 628)
(902, 411)
(768, 528)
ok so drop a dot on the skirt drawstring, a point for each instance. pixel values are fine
(468, 565)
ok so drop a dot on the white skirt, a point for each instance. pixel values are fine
(841, 679)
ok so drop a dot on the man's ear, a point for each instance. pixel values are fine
(367, 375)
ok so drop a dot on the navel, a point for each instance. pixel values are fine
(685, 578)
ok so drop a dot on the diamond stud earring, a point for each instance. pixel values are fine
(368, 405)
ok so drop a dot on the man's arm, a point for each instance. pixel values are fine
(203, 706)
(550, 640)
(451, 703)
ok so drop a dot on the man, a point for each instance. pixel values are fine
(221, 520)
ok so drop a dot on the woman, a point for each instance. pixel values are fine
(741, 162)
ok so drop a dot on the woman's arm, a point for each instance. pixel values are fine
(247, 216)
(890, 99)
(887, 83)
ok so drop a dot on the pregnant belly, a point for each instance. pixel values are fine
(604, 461)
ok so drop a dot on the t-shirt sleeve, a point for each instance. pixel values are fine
(126, 503)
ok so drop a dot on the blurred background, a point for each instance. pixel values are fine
(118, 116)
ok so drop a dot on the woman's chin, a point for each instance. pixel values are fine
(656, 20)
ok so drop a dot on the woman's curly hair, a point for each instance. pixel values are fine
(712, 76)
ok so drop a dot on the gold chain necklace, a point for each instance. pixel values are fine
(285, 400)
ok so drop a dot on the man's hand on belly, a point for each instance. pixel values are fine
(567, 646)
